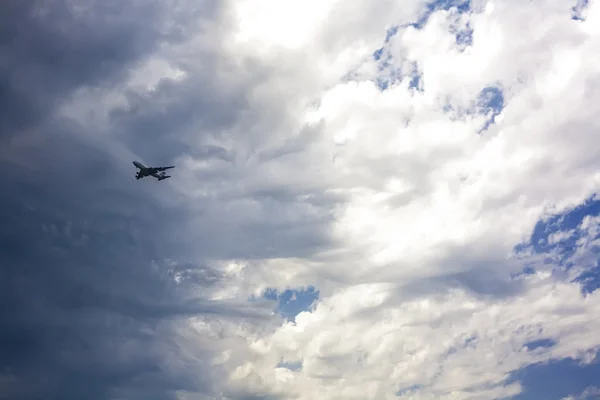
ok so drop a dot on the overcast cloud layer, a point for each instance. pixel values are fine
(417, 164)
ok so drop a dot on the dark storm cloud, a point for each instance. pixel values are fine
(88, 306)
(48, 49)
(83, 291)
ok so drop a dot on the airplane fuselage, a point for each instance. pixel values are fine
(156, 172)
(139, 165)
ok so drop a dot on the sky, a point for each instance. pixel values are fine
(371, 200)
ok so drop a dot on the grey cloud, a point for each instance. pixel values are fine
(82, 296)
(50, 49)
(244, 216)
(207, 115)
(178, 116)
(89, 309)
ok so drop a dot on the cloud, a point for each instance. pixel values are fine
(50, 50)
(394, 158)
(96, 287)
(588, 393)
(92, 303)
(431, 212)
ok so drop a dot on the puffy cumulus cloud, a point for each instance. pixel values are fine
(390, 155)
(443, 152)
(364, 341)
(430, 348)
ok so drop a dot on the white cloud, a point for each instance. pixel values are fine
(398, 210)
(590, 393)
(450, 344)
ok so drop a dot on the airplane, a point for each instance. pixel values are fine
(157, 172)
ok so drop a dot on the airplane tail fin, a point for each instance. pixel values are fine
(164, 177)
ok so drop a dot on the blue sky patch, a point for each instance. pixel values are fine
(558, 236)
(293, 301)
(391, 33)
(408, 389)
(590, 280)
(577, 10)
(540, 343)
(377, 54)
(389, 75)
(416, 80)
(388, 78)
(527, 270)
(540, 239)
(462, 6)
(490, 102)
(555, 380)
(295, 366)
(464, 37)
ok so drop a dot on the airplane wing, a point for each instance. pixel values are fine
(153, 170)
